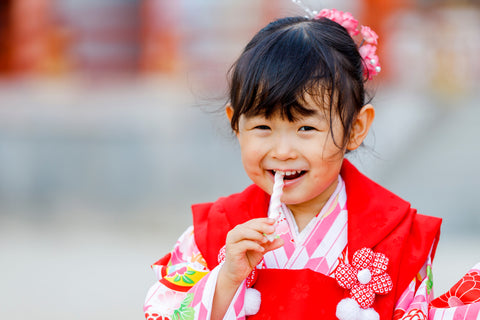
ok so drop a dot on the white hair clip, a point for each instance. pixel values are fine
(311, 14)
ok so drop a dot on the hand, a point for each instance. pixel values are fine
(245, 246)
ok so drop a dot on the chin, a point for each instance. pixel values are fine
(294, 199)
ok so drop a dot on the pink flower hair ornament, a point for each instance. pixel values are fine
(368, 43)
(365, 277)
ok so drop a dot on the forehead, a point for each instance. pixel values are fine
(307, 105)
(317, 102)
(304, 109)
(312, 102)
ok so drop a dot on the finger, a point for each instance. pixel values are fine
(269, 221)
(252, 231)
(262, 225)
(240, 248)
(275, 244)
(239, 234)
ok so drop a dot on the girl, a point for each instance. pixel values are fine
(345, 247)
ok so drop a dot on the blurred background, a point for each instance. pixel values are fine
(110, 130)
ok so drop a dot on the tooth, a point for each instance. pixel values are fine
(288, 173)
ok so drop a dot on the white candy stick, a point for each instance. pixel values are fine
(275, 204)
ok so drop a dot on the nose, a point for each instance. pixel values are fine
(283, 148)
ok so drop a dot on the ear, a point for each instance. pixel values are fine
(229, 111)
(361, 126)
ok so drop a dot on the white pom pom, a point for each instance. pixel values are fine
(364, 276)
(368, 314)
(252, 301)
(347, 309)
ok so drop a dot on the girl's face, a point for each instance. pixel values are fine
(304, 149)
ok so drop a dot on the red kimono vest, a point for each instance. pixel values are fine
(377, 219)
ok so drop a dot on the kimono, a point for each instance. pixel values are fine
(309, 275)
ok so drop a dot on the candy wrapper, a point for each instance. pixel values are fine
(275, 204)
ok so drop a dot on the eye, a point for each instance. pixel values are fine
(306, 128)
(262, 127)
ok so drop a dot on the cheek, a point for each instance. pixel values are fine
(329, 151)
(326, 160)
(252, 153)
(250, 144)
(252, 164)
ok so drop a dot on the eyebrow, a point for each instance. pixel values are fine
(315, 112)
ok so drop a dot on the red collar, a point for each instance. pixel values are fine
(369, 221)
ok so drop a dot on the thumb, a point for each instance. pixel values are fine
(275, 244)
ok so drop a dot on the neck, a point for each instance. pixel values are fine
(306, 211)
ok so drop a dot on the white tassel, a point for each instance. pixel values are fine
(368, 314)
(252, 301)
(348, 309)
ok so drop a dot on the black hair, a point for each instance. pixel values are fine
(294, 57)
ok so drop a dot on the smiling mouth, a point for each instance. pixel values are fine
(291, 175)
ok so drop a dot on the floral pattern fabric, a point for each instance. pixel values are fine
(365, 276)
(185, 286)
(462, 301)
(414, 302)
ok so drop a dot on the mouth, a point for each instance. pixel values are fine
(289, 174)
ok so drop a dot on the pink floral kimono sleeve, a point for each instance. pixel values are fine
(462, 301)
(185, 286)
(414, 302)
